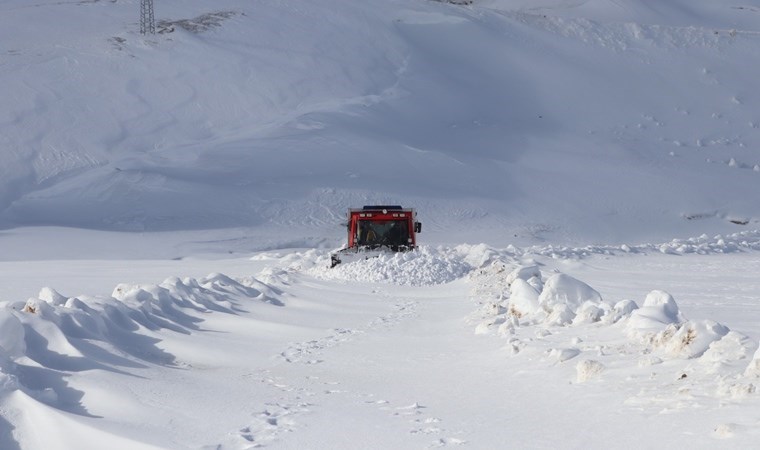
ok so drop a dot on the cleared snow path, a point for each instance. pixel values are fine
(421, 377)
(374, 386)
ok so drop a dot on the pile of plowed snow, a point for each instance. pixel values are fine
(423, 266)
(429, 266)
(78, 333)
(548, 317)
(703, 245)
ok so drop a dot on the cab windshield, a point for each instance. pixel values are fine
(392, 233)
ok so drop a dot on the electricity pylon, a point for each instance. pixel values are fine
(147, 19)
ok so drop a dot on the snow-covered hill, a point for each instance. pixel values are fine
(590, 121)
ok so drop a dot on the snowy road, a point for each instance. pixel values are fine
(424, 379)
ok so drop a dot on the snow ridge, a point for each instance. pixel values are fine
(45, 337)
(702, 245)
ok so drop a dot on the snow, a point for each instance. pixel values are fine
(421, 267)
(586, 173)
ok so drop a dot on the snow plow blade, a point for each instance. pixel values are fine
(348, 255)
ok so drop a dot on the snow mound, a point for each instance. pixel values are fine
(562, 300)
(11, 335)
(523, 298)
(731, 351)
(569, 320)
(563, 354)
(690, 339)
(753, 369)
(421, 267)
(659, 309)
(8, 382)
(83, 333)
(530, 274)
(622, 309)
(660, 323)
(588, 369)
(562, 291)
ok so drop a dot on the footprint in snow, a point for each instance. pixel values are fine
(413, 409)
(268, 424)
(423, 426)
(305, 352)
(427, 425)
(443, 442)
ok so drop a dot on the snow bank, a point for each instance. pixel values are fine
(562, 300)
(57, 332)
(744, 241)
(545, 319)
(566, 299)
(660, 324)
(11, 334)
(12, 346)
(491, 261)
(702, 245)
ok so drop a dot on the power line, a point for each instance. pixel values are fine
(147, 18)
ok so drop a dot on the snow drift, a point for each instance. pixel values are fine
(52, 333)
(655, 332)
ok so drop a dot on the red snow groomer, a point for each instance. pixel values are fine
(376, 229)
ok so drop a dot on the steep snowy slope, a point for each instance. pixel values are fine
(501, 121)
